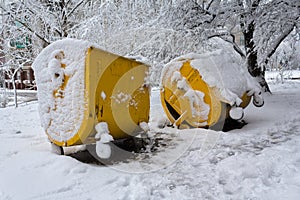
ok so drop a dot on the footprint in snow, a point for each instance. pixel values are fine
(80, 170)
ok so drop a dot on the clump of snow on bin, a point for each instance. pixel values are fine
(55, 68)
(144, 126)
(103, 95)
(61, 115)
(103, 149)
(199, 108)
(103, 133)
(236, 113)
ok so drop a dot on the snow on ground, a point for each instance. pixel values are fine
(259, 161)
(284, 74)
(23, 96)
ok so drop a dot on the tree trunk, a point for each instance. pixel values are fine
(256, 71)
(4, 101)
(15, 92)
(252, 63)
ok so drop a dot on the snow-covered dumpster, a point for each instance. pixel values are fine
(86, 94)
(202, 90)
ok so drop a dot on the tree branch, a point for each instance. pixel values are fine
(77, 5)
(33, 32)
(279, 40)
(209, 4)
(233, 43)
(27, 27)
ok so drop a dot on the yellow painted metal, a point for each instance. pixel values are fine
(177, 107)
(125, 101)
(115, 93)
(246, 100)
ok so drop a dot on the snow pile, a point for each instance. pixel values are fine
(59, 71)
(199, 108)
(103, 133)
(145, 127)
(219, 69)
(103, 149)
(236, 113)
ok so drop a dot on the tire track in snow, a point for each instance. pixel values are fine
(280, 133)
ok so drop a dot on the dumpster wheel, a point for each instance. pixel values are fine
(258, 101)
(112, 152)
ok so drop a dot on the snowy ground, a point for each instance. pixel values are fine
(23, 96)
(259, 161)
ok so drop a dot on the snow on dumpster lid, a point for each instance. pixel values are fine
(222, 70)
(61, 99)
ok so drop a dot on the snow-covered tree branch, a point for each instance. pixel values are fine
(161, 30)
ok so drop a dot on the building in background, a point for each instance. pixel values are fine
(15, 52)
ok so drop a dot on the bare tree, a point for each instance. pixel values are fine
(16, 47)
(29, 26)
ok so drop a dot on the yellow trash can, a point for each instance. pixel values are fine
(202, 90)
(80, 85)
